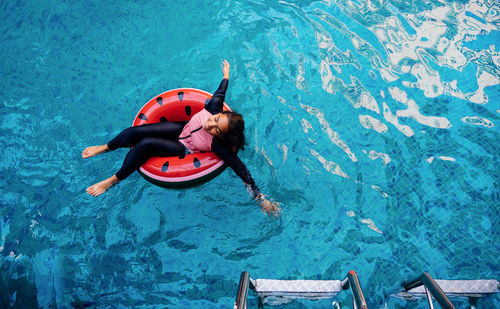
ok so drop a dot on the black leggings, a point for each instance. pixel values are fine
(149, 140)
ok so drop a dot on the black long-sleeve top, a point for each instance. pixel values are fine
(222, 149)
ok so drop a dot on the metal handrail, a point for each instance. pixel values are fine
(357, 293)
(358, 298)
(241, 298)
(431, 287)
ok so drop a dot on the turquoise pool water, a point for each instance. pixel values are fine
(375, 125)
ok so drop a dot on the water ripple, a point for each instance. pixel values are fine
(478, 121)
(334, 136)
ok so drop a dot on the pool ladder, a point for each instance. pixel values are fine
(279, 292)
(425, 286)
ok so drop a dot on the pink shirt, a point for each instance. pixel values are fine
(193, 136)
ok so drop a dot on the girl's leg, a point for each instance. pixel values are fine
(137, 156)
(147, 148)
(131, 136)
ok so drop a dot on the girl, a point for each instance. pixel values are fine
(211, 129)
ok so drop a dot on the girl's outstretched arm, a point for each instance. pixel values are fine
(214, 106)
(230, 158)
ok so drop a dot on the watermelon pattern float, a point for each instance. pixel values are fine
(182, 171)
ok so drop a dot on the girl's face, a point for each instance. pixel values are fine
(217, 125)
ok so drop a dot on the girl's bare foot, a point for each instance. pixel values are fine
(101, 187)
(94, 150)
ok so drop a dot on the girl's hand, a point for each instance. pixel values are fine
(225, 69)
(269, 207)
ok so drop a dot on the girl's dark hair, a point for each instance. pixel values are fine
(235, 135)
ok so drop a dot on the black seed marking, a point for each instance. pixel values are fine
(142, 116)
(196, 162)
(182, 156)
(180, 94)
(164, 168)
(163, 119)
(187, 109)
(159, 100)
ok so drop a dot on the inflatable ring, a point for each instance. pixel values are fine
(183, 171)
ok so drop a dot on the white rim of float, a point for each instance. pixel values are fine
(182, 178)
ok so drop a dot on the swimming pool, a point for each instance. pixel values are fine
(374, 125)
